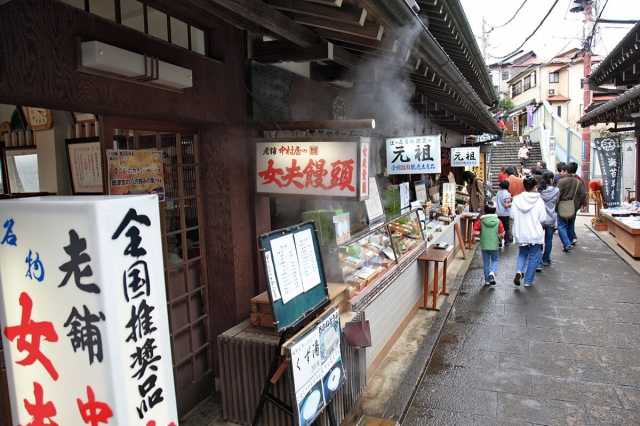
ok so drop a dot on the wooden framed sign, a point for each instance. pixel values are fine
(85, 165)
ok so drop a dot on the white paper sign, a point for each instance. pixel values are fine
(85, 327)
(273, 284)
(449, 196)
(404, 195)
(307, 259)
(465, 156)
(287, 268)
(413, 154)
(329, 169)
(374, 203)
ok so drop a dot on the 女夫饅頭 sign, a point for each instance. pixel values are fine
(320, 168)
(413, 154)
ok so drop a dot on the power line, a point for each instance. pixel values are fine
(512, 18)
(532, 34)
(593, 30)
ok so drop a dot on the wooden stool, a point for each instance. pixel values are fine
(437, 256)
(468, 231)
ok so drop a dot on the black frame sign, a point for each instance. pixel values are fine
(316, 371)
(608, 152)
(294, 273)
(335, 168)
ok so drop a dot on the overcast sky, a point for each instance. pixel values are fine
(561, 31)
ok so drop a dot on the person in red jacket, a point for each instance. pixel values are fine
(502, 175)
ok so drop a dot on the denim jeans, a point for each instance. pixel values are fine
(548, 242)
(567, 230)
(532, 253)
(490, 259)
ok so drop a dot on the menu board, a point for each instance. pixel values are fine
(293, 270)
(316, 371)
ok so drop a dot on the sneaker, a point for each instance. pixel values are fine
(487, 284)
(539, 269)
(518, 277)
(566, 248)
(546, 264)
(492, 278)
(528, 285)
(506, 243)
(574, 241)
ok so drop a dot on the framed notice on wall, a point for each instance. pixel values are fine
(135, 172)
(85, 165)
(374, 203)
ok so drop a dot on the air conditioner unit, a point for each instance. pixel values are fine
(552, 91)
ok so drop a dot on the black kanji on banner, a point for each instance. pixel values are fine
(608, 150)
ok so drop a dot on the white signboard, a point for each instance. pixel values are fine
(374, 203)
(405, 196)
(449, 197)
(328, 169)
(85, 329)
(465, 156)
(316, 367)
(413, 154)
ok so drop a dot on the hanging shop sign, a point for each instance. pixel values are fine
(84, 320)
(316, 371)
(480, 169)
(465, 156)
(445, 155)
(334, 168)
(608, 151)
(413, 154)
(135, 172)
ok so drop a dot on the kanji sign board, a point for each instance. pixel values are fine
(84, 319)
(335, 168)
(413, 154)
(465, 156)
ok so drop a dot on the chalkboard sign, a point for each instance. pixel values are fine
(294, 272)
(316, 371)
(608, 151)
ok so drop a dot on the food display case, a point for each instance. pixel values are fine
(369, 254)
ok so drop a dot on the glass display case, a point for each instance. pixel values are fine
(406, 234)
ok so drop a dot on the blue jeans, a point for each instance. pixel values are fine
(490, 259)
(567, 230)
(532, 253)
(548, 242)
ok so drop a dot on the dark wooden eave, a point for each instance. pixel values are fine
(622, 66)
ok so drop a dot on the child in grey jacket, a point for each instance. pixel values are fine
(503, 210)
(550, 195)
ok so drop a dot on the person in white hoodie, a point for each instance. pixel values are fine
(528, 213)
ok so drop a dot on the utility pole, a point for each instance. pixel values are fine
(484, 41)
(586, 131)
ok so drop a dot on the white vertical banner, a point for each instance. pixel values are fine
(85, 328)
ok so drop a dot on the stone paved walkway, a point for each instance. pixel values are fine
(563, 352)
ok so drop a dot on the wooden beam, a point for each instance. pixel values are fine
(336, 3)
(345, 58)
(329, 72)
(345, 13)
(266, 16)
(269, 52)
(387, 44)
(368, 30)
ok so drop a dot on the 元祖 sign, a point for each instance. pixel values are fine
(465, 156)
(84, 320)
(413, 154)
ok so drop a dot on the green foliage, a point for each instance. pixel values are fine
(506, 103)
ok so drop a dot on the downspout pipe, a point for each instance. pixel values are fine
(437, 60)
(461, 18)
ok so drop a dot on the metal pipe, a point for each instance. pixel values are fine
(364, 124)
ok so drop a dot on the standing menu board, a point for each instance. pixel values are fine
(293, 269)
(316, 371)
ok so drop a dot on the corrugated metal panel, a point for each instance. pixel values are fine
(245, 353)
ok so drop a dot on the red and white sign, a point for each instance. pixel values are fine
(84, 319)
(318, 168)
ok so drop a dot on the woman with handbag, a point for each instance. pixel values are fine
(572, 195)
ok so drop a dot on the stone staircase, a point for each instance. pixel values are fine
(506, 154)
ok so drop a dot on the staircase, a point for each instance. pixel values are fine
(506, 154)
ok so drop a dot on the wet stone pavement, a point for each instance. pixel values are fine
(562, 352)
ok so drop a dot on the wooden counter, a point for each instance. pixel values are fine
(628, 238)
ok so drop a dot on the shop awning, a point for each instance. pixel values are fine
(616, 110)
(557, 98)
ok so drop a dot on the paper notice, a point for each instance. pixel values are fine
(271, 276)
(307, 259)
(285, 260)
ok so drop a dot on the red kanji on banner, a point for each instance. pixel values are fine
(36, 330)
(39, 411)
(153, 423)
(271, 174)
(341, 175)
(94, 412)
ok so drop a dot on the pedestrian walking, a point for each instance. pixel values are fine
(550, 195)
(490, 231)
(502, 175)
(515, 189)
(475, 188)
(558, 174)
(503, 210)
(523, 155)
(528, 213)
(528, 143)
(574, 171)
(572, 195)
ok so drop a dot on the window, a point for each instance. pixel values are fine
(554, 77)
(560, 111)
(516, 89)
(505, 75)
(141, 17)
(527, 82)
